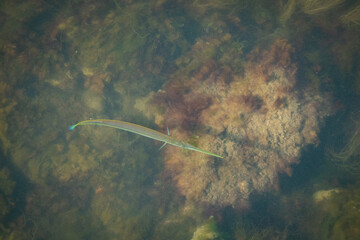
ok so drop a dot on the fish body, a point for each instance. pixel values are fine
(143, 131)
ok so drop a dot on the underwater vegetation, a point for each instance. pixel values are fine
(343, 12)
(319, 6)
(222, 75)
(338, 215)
(256, 119)
(352, 16)
(348, 156)
(7, 104)
(321, 213)
(207, 231)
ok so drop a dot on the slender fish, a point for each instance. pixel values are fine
(143, 131)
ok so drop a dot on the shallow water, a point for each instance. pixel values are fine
(272, 87)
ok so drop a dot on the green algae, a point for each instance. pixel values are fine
(345, 156)
(207, 231)
(320, 6)
(339, 216)
(352, 16)
(94, 62)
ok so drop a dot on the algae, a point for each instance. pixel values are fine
(208, 231)
(347, 157)
(74, 60)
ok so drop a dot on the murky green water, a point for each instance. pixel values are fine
(272, 87)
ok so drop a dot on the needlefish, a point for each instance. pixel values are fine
(143, 131)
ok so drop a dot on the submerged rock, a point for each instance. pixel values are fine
(259, 120)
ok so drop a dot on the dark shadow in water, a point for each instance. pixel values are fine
(22, 188)
(310, 166)
(266, 209)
